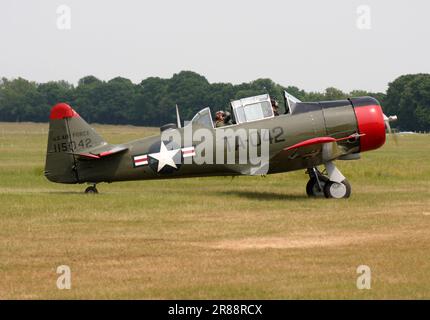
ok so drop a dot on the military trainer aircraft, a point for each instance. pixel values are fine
(307, 135)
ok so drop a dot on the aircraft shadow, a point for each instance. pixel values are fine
(254, 195)
(65, 192)
(265, 195)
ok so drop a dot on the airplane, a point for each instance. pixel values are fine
(306, 136)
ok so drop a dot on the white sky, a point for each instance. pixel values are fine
(310, 44)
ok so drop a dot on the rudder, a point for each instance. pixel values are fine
(68, 134)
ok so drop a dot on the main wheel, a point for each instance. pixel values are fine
(91, 190)
(337, 190)
(312, 187)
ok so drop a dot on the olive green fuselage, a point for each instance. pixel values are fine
(335, 120)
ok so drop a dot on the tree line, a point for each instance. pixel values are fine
(151, 102)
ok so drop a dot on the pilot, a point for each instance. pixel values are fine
(227, 118)
(275, 107)
(219, 119)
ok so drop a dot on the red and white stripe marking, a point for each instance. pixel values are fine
(140, 160)
(188, 152)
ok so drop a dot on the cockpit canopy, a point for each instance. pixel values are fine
(203, 118)
(247, 110)
(252, 108)
(290, 101)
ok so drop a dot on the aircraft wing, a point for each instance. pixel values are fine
(312, 147)
(320, 140)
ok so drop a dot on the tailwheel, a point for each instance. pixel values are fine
(337, 190)
(91, 190)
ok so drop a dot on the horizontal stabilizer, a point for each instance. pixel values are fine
(101, 152)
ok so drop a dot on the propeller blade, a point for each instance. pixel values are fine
(387, 121)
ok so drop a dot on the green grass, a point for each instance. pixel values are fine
(248, 237)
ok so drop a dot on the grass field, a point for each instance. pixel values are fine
(248, 237)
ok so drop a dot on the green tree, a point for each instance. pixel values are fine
(334, 94)
(53, 92)
(152, 101)
(296, 92)
(189, 90)
(409, 98)
(20, 101)
(151, 93)
(86, 98)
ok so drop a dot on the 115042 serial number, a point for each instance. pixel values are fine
(72, 145)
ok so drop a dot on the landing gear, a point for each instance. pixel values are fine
(316, 183)
(337, 190)
(91, 190)
(332, 185)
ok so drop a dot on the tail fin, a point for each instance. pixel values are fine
(68, 134)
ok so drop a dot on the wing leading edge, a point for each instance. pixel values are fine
(320, 140)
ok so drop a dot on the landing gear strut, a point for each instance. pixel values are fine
(91, 189)
(332, 185)
(316, 183)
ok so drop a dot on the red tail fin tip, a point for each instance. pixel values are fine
(61, 111)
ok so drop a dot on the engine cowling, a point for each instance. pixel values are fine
(370, 122)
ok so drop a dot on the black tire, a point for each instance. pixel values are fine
(91, 190)
(312, 186)
(334, 190)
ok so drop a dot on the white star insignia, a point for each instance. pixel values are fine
(165, 157)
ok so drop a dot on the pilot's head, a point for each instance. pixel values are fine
(219, 115)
